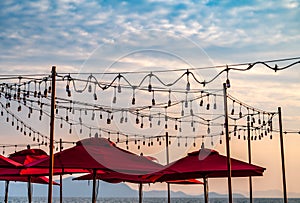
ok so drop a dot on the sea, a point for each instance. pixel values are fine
(147, 200)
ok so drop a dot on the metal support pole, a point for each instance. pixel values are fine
(6, 191)
(168, 161)
(205, 185)
(60, 177)
(51, 145)
(282, 156)
(140, 192)
(29, 192)
(227, 144)
(249, 159)
(94, 186)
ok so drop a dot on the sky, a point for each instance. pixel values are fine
(99, 36)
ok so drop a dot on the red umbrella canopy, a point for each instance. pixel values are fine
(8, 163)
(207, 163)
(100, 153)
(23, 157)
(27, 156)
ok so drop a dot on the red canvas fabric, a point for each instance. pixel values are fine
(8, 163)
(100, 153)
(206, 163)
(24, 157)
(28, 156)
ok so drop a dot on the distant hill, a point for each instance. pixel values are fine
(84, 189)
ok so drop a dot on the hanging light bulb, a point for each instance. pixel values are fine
(215, 101)
(119, 85)
(150, 86)
(180, 129)
(240, 114)
(169, 101)
(158, 122)
(191, 108)
(80, 130)
(188, 85)
(144, 141)
(67, 115)
(186, 100)
(70, 130)
(46, 89)
(115, 96)
(61, 123)
(153, 99)
(108, 120)
(259, 120)
(137, 120)
(19, 108)
(122, 117)
(133, 96)
(182, 110)
(126, 117)
(232, 110)
(208, 104)
(142, 123)
(227, 80)
(93, 115)
(90, 87)
(67, 89)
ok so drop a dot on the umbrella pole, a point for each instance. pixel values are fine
(140, 192)
(227, 144)
(6, 191)
(94, 186)
(282, 156)
(205, 185)
(168, 161)
(51, 146)
(60, 177)
(29, 190)
(249, 158)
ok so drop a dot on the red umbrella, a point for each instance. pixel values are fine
(206, 163)
(14, 174)
(100, 154)
(8, 163)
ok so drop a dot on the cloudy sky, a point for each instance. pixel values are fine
(90, 35)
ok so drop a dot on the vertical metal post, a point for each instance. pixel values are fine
(205, 185)
(29, 192)
(249, 159)
(140, 192)
(6, 191)
(94, 186)
(282, 156)
(60, 177)
(51, 145)
(168, 161)
(227, 144)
